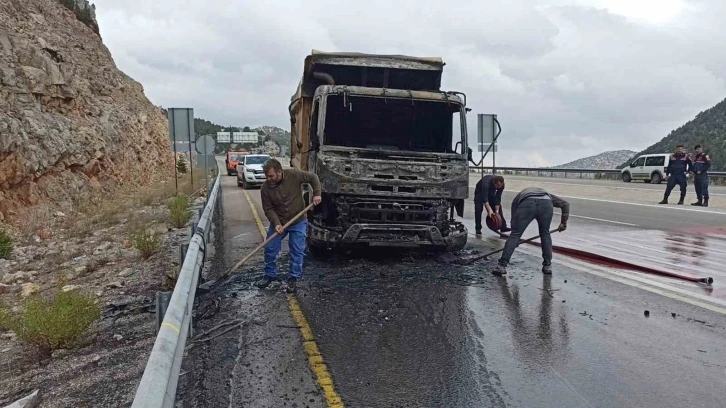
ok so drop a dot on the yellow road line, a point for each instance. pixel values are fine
(256, 216)
(315, 359)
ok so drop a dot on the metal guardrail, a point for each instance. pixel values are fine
(552, 171)
(157, 387)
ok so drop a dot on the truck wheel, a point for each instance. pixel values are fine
(626, 177)
(656, 178)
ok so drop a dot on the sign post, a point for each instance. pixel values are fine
(205, 146)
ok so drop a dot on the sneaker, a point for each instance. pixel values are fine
(291, 284)
(505, 229)
(547, 269)
(499, 270)
(265, 282)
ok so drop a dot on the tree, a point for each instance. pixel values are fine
(181, 165)
(247, 129)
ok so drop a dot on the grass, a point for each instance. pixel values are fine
(6, 245)
(51, 324)
(179, 213)
(148, 242)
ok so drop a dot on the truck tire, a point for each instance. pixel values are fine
(626, 177)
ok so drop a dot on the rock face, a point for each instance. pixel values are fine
(603, 161)
(70, 120)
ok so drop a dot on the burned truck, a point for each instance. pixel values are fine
(390, 149)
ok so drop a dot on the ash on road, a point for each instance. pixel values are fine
(403, 330)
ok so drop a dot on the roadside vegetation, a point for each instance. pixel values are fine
(6, 244)
(52, 324)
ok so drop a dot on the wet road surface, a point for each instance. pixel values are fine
(408, 331)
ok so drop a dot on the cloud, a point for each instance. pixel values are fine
(566, 78)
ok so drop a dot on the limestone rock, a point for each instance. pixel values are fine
(28, 289)
(69, 118)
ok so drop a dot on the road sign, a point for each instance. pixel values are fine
(182, 146)
(181, 124)
(205, 144)
(485, 128)
(484, 146)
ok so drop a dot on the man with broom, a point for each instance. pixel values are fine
(282, 200)
(533, 203)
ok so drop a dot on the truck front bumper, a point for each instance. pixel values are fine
(390, 235)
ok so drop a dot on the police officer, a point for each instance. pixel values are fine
(700, 166)
(676, 173)
(488, 194)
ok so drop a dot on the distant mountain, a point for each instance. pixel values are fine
(603, 161)
(276, 134)
(708, 128)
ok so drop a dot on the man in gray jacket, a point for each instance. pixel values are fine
(530, 204)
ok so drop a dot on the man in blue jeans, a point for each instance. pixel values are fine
(533, 203)
(282, 200)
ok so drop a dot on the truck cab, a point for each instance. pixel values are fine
(390, 150)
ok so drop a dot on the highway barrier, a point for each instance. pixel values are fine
(158, 385)
(717, 177)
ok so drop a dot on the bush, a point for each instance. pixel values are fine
(6, 245)
(148, 242)
(181, 165)
(179, 213)
(52, 324)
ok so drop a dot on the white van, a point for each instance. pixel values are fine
(648, 167)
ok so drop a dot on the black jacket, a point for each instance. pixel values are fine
(485, 191)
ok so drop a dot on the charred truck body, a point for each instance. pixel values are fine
(389, 147)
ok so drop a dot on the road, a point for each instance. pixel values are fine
(403, 330)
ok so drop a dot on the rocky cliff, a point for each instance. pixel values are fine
(603, 161)
(70, 121)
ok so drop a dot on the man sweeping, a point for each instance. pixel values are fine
(282, 200)
(533, 203)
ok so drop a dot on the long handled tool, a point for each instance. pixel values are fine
(474, 258)
(270, 238)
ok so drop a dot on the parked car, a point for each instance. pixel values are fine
(648, 167)
(249, 170)
(232, 159)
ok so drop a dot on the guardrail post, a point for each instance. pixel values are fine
(182, 253)
(162, 303)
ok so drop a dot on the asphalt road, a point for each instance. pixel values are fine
(634, 185)
(403, 330)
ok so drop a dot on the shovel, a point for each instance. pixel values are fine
(471, 259)
(265, 242)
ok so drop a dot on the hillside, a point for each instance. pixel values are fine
(70, 121)
(603, 161)
(708, 128)
(278, 135)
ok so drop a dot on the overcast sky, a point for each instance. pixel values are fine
(567, 79)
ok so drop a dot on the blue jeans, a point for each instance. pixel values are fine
(298, 238)
(529, 210)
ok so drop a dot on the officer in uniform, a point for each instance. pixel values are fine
(676, 172)
(700, 166)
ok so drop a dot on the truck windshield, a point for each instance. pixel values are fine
(391, 124)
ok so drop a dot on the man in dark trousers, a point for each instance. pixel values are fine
(700, 166)
(282, 200)
(488, 194)
(676, 173)
(533, 203)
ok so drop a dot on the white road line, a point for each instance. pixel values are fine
(520, 178)
(696, 299)
(638, 204)
(601, 220)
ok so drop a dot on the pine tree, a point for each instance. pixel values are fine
(181, 165)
